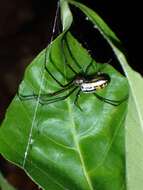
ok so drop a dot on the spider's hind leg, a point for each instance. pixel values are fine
(111, 102)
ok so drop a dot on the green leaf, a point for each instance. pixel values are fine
(134, 134)
(58, 145)
(4, 185)
(134, 122)
(66, 15)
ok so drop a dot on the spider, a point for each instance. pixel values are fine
(82, 82)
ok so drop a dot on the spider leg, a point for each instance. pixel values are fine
(32, 96)
(58, 82)
(44, 101)
(27, 97)
(111, 102)
(76, 99)
(88, 66)
(54, 64)
(66, 61)
(71, 54)
(71, 68)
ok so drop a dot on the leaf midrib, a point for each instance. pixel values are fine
(75, 137)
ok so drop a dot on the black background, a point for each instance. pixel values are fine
(25, 29)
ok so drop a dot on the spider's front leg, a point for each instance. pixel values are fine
(43, 101)
(46, 96)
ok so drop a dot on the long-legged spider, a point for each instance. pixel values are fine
(82, 82)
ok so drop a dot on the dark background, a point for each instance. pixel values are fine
(25, 29)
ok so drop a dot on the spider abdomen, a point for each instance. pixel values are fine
(97, 83)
